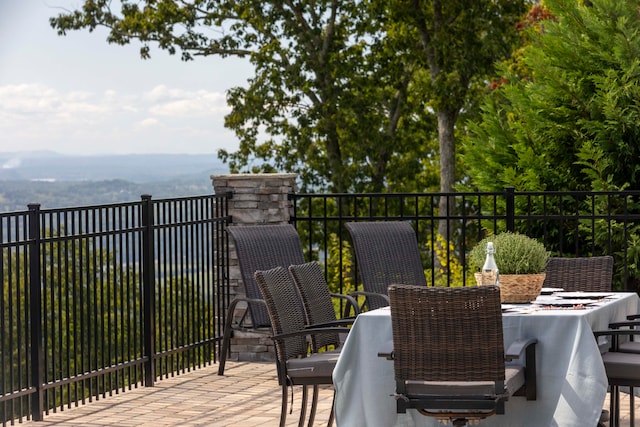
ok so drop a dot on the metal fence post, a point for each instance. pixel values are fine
(510, 197)
(35, 313)
(148, 290)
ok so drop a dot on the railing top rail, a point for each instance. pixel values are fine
(475, 193)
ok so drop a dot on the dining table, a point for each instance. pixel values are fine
(571, 379)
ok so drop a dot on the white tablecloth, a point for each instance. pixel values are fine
(572, 383)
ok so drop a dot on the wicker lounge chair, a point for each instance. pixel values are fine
(386, 253)
(259, 247)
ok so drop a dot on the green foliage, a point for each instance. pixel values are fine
(340, 271)
(625, 241)
(515, 254)
(449, 271)
(566, 113)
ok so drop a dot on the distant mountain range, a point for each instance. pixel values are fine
(139, 168)
(55, 180)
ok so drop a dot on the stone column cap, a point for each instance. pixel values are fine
(238, 176)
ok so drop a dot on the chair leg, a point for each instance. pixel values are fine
(632, 411)
(332, 414)
(224, 350)
(283, 409)
(314, 405)
(303, 405)
(226, 338)
(614, 414)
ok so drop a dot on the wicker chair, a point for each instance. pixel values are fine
(259, 247)
(386, 253)
(587, 274)
(623, 370)
(295, 365)
(448, 353)
(581, 274)
(318, 303)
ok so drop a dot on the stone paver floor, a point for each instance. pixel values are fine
(247, 395)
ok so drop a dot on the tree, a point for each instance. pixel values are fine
(566, 113)
(459, 41)
(332, 98)
(339, 94)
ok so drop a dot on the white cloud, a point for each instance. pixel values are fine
(41, 117)
(79, 94)
(180, 103)
(148, 122)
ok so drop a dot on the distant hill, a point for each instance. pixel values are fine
(49, 166)
(55, 180)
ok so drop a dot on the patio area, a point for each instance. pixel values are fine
(247, 396)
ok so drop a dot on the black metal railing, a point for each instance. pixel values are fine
(99, 299)
(568, 223)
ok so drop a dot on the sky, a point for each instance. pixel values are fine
(77, 94)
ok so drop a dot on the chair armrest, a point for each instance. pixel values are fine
(633, 316)
(530, 389)
(370, 294)
(616, 332)
(338, 322)
(629, 324)
(351, 302)
(310, 332)
(388, 356)
(232, 306)
(248, 300)
(516, 348)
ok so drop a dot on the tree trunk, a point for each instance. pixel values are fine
(446, 205)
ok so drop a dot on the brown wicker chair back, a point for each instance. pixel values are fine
(296, 365)
(258, 247)
(285, 312)
(387, 252)
(456, 331)
(448, 353)
(317, 301)
(262, 247)
(585, 274)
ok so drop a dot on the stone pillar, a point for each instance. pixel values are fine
(257, 199)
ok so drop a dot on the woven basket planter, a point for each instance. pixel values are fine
(518, 288)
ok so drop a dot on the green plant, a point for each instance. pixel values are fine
(449, 272)
(515, 254)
